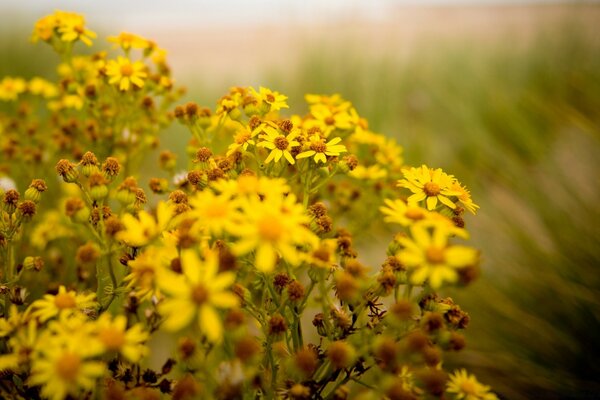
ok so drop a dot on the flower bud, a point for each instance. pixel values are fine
(89, 164)
(98, 188)
(67, 171)
(35, 190)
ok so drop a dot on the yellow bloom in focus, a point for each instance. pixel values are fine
(197, 293)
(430, 185)
(320, 150)
(330, 118)
(275, 226)
(130, 41)
(463, 386)
(398, 212)
(63, 364)
(429, 257)
(243, 138)
(64, 301)
(124, 73)
(11, 88)
(114, 336)
(280, 146)
(71, 27)
(275, 100)
(142, 230)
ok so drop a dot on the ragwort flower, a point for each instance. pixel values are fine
(320, 150)
(430, 185)
(463, 386)
(124, 73)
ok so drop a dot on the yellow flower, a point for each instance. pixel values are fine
(140, 231)
(429, 185)
(271, 227)
(214, 213)
(41, 87)
(64, 301)
(275, 100)
(372, 172)
(319, 149)
(21, 344)
(280, 145)
(11, 88)
(329, 119)
(71, 27)
(463, 386)
(198, 292)
(114, 336)
(429, 257)
(464, 196)
(124, 73)
(62, 362)
(252, 186)
(130, 41)
(398, 212)
(243, 138)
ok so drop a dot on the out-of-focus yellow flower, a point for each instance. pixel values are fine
(243, 138)
(21, 345)
(198, 292)
(64, 301)
(463, 386)
(328, 119)
(430, 185)
(320, 150)
(464, 196)
(398, 212)
(372, 172)
(129, 41)
(124, 73)
(62, 362)
(214, 213)
(71, 27)
(271, 227)
(11, 88)
(41, 87)
(429, 257)
(114, 336)
(142, 230)
(252, 186)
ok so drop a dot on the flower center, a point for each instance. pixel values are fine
(319, 147)
(468, 388)
(112, 338)
(67, 366)
(126, 70)
(435, 255)
(79, 29)
(270, 98)
(200, 294)
(330, 120)
(64, 300)
(281, 142)
(431, 189)
(414, 213)
(242, 137)
(270, 228)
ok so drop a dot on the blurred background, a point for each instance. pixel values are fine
(505, 95)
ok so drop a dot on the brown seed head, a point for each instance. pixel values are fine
(87, 254)
(277, 325)
(340, 354)
(111, 167)
(178, 197)
(306, 360)
(295, 291)
(203, 154)
(27, 208)
(246, 348)
(39, 185)
(286, 125)
(11, 197)
(89, 158)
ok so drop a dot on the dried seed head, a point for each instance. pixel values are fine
(341, 354)
(295, 291)
(27, 209)
(306, 360)
(67, 171)
(280, 281)
(277, 325)
(246, 348)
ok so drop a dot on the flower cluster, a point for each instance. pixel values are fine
(240, 276)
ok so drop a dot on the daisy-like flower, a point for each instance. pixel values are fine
(398, 212)
(320, 150)
(21, 344)
(429, 257)
(11, 88)
(63, 361)
(243, 138)
(114, 336)
(464, 196)
(213, 213)
(271, 227)
(41, 87)
(64, 301)
(329, 118)
(71, 27)
(431, 185)
(280, 145)
(196, 294)
(145, 269)
(275, 100)
(140, 231)
(129, 41)
(463, 386)
(124, 73)
(252, 186)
